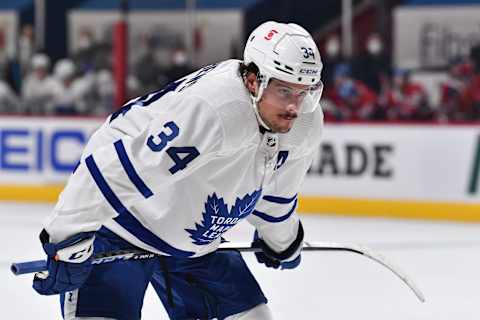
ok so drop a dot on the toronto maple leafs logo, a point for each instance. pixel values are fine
(216, 219)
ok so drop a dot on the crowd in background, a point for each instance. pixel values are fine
(364, 88)
(367, 88)
(82, 84)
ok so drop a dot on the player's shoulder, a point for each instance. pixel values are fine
(220, 88)
(220, 84)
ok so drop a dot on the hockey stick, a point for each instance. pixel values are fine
(41, 265)
(332, 246)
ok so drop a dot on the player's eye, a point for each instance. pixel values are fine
(302, 94)
(284, 92)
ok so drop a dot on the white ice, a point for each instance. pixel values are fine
(443, 258)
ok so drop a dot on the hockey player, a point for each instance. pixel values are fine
(173, 170)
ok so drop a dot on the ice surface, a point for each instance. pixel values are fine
(443, 258)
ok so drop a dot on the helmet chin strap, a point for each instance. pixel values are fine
(255, 100)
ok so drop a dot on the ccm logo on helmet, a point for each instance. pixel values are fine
(308, 71)
(270, 34)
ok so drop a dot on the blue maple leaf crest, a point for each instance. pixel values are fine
(217, 219)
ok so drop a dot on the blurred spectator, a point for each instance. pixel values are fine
(361, 89)
(84, 56)
(331, 58)
(84, 89)
(92, 54)
(473, 89)
(179, 66)
(103, 54)
(150, 75)
(93, 58)
(404, 99)
(26, 47)
(134, 88)
(372, 67)
(9, 102)
(473, 97)
(105, 90)
(72, 95)
(454, 102)
(353, 99)
(63, 100)
(38, 86)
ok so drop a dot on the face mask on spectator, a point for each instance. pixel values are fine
(179, 58)
(84, 42)
(374, 45)
(332, 47)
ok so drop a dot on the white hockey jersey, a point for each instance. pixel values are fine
(173, 170)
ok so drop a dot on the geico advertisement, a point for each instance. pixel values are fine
(41, 150)
(404, 162)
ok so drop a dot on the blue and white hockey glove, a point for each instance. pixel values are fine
(288, 259)
(68, 263)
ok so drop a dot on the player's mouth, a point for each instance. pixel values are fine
(288, 117)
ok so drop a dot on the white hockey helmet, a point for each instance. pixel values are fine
(286, 52)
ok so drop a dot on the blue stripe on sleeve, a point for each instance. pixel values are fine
(279, 200)
(126, 219)
(269, 218)
(130, 170)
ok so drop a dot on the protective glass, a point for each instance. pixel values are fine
(312, 99)
(308, 99)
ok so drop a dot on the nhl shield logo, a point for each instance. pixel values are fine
(271, 141)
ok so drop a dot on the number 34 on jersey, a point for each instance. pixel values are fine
(180, 155)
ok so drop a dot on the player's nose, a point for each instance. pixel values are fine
(293, 107)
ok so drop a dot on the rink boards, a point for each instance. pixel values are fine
(407, 170)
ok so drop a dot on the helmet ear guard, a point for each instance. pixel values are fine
(285, 52)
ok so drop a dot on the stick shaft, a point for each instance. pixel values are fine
(41, 265)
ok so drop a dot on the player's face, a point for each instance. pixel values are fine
(280, 104)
